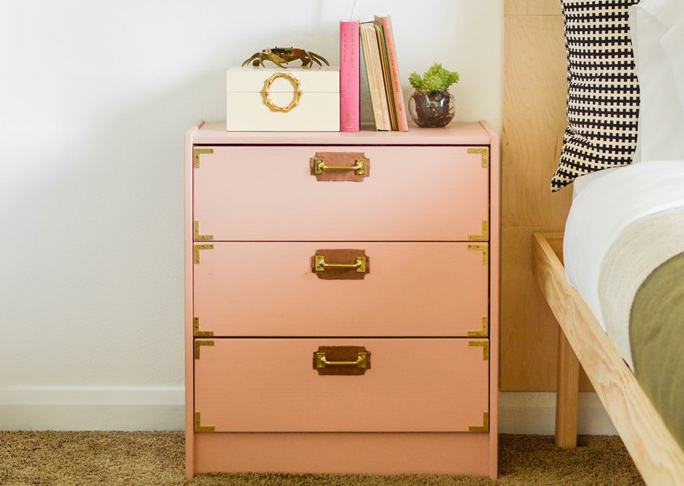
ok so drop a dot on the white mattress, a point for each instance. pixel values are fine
(604, 207)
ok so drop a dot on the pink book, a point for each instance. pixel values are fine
(398, 93)
(349, 77)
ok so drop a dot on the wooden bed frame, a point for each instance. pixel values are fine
(655, 452)
(534, 119)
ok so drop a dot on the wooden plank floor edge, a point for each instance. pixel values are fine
(655, 452)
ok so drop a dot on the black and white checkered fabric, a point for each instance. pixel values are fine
(603, 91)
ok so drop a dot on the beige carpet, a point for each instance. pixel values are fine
(156, 458)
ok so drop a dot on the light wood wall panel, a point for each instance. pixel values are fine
(532, 7)
(534, 119)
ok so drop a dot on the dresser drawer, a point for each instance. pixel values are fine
(411, 289)
(410, 385)
(410, 193)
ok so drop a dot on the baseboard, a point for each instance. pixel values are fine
(162, 408)
(91, 408)
(534, 413)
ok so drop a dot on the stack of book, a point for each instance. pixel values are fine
(376, 41)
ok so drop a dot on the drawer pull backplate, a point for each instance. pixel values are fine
(340, 264)
(341, 360)
(340, 166)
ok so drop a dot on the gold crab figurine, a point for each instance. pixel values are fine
(281, 56)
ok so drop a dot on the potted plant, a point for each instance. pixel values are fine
(431, 104)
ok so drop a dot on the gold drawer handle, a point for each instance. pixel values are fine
(361, 362)
(359, 168)
(320, 265)
(341, 360)
(266, 92)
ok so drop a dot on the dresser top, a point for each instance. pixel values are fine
(475, 133)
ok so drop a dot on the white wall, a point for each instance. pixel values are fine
(95, 97)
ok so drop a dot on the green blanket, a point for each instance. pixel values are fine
(656, 333)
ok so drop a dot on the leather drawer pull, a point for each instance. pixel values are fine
(341, 360)
(340, 264)
(340, 166)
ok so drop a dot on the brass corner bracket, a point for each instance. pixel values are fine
(196, 155)
(202, 428)
(483, 332)
(198, 248)
(484, 152)
(481, 428)
(485, 348)
(199, 344)
(200, 237)
(484, 236)
(196, 329)
(485, 252)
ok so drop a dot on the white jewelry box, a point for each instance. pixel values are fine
(274, 99)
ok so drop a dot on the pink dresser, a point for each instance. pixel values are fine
(342, 301)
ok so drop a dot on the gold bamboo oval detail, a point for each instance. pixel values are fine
(266, 92)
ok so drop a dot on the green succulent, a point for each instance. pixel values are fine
(436, 77)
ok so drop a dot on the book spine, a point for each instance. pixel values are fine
(349, 77)
(397, 91)
(376, 82)
(386, 78)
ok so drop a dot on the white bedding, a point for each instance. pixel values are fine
(657, 31)
(627, 209)
(604, 208)
(639, 250)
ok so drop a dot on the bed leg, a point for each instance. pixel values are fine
(567, 397)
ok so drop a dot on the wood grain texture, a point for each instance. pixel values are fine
(534, 120)
(653, 449)
(494, 296)
(532, 7)
(528, 330)
(530, 341)
(567, 398)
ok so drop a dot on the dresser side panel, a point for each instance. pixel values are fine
(494, 295)
(188, 300)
